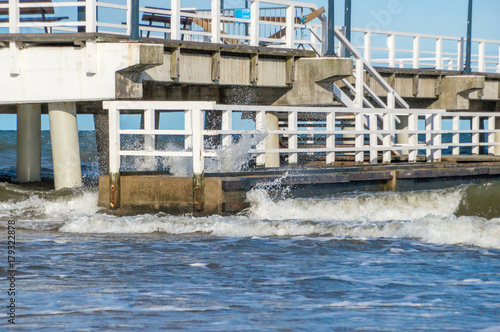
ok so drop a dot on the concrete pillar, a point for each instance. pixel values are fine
(402, 138)
(65, 146)
(101, 124)
(497, 137)
(272, 140)
(29, 148)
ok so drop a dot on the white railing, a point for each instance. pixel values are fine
(414, 50)
(338, 133)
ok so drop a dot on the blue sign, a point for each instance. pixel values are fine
(242, 13)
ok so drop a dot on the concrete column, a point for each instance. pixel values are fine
(402, 138)
(272, 140)
(29, 148)
(65, 146)
(497, 137)
(101, 124)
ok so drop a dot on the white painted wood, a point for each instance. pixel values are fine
(198, 159)
(373, 125)
(114, 140)
(342, 97)
(175, 22)
(216, 23)
(460, 51)
(91, 16)
(491, 135)
(359, 138)
(439, 53)
(14, 16)
(391, 45)
(254, 22)
(290, 23)
(260, 125)
(428, 136)
(413, 137)
(188, 126)
(387, 140)
(456, 135)
(436, 141)
(227, 124)
(481, 59)
(367, 52)
(292, 138)
(416, 52)
(330, 138)
(475, 134)
(359, 74)
(129, 17)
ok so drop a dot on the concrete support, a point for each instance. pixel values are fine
(497, 137)
(29, 149)
(272, 140)
(65, 146)
(101, 124)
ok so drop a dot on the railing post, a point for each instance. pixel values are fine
(439, 53)
(481, 59)
(428, 136)
(198, 160)
(90, 16)
(498, 64)
(149, 140)
(293, 138)
(114, 157)
(227, 124)
(475, 134)
(216, 27)
(359, 137)
(290, 23)
(188, 126)
(391, 44)
(330, 138)
(416, 52)
(460, 53)
(387, 137)
(436, 141)
(358, 101)
(373, 138)
(254, 23)
(413, 137)
(260, 125)
(367, 54)
(456, 135)
(491, 135)
(14, 16)
(175, 20)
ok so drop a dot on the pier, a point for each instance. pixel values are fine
(249, 81)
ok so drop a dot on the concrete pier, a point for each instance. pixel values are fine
(29, 149)
(65, 146)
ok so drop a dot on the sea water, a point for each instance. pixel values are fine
(426, 260)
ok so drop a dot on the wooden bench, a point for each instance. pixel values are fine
(30, 11)
(151, 17)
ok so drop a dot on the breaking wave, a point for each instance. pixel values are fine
(428, 216)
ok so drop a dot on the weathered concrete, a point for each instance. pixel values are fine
(456, 90)
(65, 146)
(313, 81)
(29, 148)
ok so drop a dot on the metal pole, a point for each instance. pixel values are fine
(347, 23)
(134, 21)
(467, 69)
(331, 26)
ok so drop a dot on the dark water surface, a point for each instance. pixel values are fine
(378, 262)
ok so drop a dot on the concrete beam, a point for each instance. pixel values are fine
(455, 90)
(314, 77)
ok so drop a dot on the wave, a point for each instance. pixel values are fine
(428, 216)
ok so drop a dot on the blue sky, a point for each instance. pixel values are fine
(437, 17)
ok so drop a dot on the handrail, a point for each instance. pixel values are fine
(338, 132)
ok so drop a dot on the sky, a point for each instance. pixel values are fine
(437, 17)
